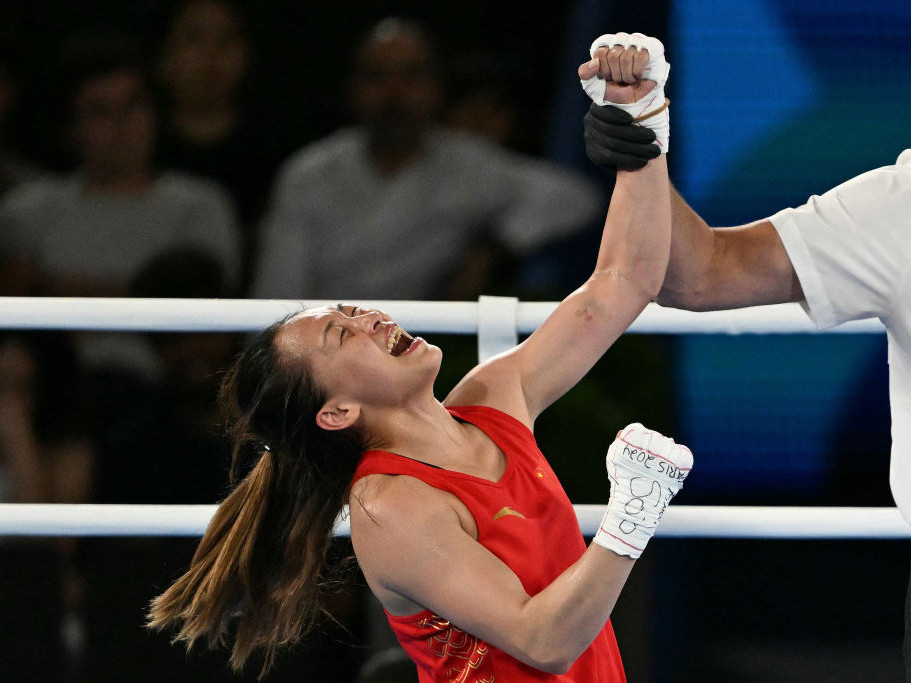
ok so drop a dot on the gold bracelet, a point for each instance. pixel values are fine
(653, 113)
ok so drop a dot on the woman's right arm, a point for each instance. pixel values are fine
(416, 553)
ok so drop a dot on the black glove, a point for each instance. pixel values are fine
(611, 139)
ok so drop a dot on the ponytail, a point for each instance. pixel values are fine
(259, 577)
(198, 600)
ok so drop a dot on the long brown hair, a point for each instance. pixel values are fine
(259, 576)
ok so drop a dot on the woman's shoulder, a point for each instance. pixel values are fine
(378, 496)
(394, 519)
(497, 384)
(391, 507)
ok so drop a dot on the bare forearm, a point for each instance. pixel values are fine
(630, 267)
(636, 238)
(564, 618)
(721, 268)
(692, 246)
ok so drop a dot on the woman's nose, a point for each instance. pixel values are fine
(370, 322)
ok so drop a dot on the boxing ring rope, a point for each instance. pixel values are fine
(681, 521)
(498, 321)
(453, 317)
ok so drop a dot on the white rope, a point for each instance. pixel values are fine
(248, 315)
(682, 521)
(719, 521)
(209, 315)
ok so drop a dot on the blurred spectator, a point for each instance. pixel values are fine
(88, 233)
(488, 92)
(210, 125)
(45, 457)
(169, 448)
(166, 449)
(398, 207)
(44, 452)
(13, 169)
(21, 472)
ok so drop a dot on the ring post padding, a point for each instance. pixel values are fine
(496, 325)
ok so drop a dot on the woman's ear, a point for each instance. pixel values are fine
(334, 416)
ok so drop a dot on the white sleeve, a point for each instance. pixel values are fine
(851, 246)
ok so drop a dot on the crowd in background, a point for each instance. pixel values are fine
(161, 175)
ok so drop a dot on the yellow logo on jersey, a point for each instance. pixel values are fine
(504, 512)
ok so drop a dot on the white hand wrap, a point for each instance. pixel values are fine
(646, 470)
(656, 69)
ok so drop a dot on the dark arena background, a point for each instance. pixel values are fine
(771, 101)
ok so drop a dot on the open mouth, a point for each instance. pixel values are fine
(398, 342)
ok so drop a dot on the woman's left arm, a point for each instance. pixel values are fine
(631, 264)
(632, 261)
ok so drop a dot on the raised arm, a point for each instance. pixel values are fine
(628, 272)
(709, 268)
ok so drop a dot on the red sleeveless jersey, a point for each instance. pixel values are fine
(526, 520)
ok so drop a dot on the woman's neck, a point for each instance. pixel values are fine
(436, 438)
(424, 431)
